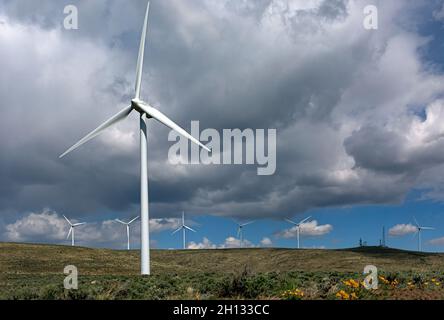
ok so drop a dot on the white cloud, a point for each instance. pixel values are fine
(266, 242)
(35, 226)
(318, 247)
(120, 140)
(111, 232)
(437, 241)
(232, 242)
(229, 243)
(205, 244)
(439, 14)
(105, 232)
(308, 229)
(160, 225)
(402, 230)
(49, 226)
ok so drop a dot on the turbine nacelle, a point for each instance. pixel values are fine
(298, 227)
(136, 105)
(418, 232)
(72, 227)
(240, 228)
(127, 225)
(183, 228)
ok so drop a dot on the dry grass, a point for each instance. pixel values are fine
(49, 259)
(36, 271)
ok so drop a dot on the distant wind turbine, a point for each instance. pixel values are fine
(418, 232)
(127, 224)
(298, 227)
(72, 230)
(240, 231)
(184, 228)
(146, 112)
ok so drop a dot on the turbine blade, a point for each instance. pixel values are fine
(186, 227)
(67, 220)
(248, 223)
(159, 116)
(113, 120)
(120, 221)
(134, 219)
(290, 221)
(177, 231)
(69, 233)
(141, 56)
(302, 221)
(79, 224)
(416, 221)
(427, 228)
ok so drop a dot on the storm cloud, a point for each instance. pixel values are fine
(358, 112)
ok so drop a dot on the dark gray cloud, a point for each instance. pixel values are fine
(340, 96)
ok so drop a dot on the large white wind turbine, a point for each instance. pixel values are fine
(298, 227)
(146, 112)
(72, 227)
(418, 232)
(240, 231)
(184, 228)
(127, 224)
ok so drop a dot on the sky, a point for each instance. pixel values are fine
(358, 114)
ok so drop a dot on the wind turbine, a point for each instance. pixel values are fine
(72, 229)
(298, 227)
(418, 232)
(146, 112)
(240, 231)
(127, 224)
(184, 228)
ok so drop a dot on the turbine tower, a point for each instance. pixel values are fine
(184, 228)
(298, 227)
(418, 232)
(146, 112)
(240, 231)
(383, 237)
(72, 227)
(127, 224)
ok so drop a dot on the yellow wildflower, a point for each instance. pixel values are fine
(294, 294)
(343, 295)
(354, 283)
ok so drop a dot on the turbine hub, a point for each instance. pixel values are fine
(135, 104)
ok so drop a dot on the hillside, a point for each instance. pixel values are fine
(36, 271)
(49, 259)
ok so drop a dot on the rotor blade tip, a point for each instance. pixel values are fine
(63, 155)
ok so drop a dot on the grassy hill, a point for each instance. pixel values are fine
(36, 271)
